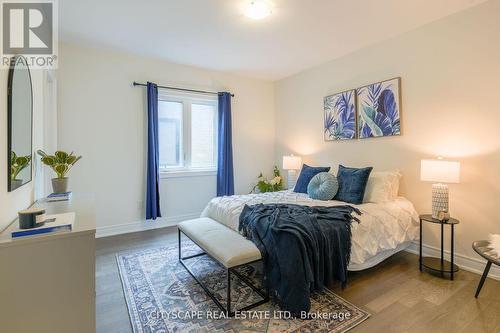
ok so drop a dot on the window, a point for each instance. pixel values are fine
(187, 125)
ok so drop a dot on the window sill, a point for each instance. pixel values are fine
(187, 173)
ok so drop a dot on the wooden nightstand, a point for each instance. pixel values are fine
(439, 264)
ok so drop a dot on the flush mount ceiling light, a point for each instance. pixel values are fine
(258, 9)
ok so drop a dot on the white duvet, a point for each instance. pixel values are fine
(383, 226)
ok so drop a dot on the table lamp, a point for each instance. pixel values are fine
(292, 164)
(441, 172)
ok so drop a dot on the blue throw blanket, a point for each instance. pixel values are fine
(303, 248)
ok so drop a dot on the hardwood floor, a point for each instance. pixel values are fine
(399, 297)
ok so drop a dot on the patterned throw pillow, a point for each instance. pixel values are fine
(323, 186)
(306, 175)
(352, 184)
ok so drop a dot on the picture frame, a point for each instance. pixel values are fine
(379, 109)
(340, 116)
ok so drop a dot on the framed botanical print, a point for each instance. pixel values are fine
(379, 109)
(340, 116)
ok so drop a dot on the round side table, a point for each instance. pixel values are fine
(439, 265)
(484, 250)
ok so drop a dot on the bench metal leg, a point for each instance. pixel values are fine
(483, 277)
(227, 310)
(180, 256)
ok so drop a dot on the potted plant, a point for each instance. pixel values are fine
(61, 162)
(273, 185)
(17, 164)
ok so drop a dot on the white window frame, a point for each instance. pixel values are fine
(187, 99)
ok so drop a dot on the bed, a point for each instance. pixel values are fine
(384, 229)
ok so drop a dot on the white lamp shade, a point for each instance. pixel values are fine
(292, 162)
(440, 171)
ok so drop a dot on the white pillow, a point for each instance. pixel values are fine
(395, 183)
(382, 186)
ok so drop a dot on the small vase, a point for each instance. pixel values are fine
(60, 185)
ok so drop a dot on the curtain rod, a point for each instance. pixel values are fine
(180, 89)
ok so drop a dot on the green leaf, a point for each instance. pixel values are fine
(61, 156)
(71, 159)
(18, 164)
(41, 153)
(13, 172)
(13, 158)
(49, 160)
(22, 161)
(61, 169)
(368, 115)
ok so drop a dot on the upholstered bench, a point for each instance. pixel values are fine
(228, 248)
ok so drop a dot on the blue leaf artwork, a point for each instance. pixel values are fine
(379, 109)
(340, 116)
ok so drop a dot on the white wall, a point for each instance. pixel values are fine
(12, 202)
(450, 73)
(102, 117)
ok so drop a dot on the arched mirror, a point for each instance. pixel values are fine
(20, 123)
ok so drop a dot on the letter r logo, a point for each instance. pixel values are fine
(27, 27)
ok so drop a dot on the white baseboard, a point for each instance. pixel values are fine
(162, 222)
(474, 265)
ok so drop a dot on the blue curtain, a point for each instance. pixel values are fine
(225, 179)
(153, 173)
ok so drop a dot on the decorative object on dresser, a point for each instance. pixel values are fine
(292, 164)
(379, 109)
(439, 265)
(61, 162)
(490, 251)
(65, 196)
(440, 171)
(273, 185)
(340, 116)
(31, 218)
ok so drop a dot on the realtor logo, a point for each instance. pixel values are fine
(28, 28)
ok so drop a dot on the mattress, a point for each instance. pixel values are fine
(384, 228)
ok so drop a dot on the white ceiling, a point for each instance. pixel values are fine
(215, 34)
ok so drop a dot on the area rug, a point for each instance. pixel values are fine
(162, 297)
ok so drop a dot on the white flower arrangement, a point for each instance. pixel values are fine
(272, 185)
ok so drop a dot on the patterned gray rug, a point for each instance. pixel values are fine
(162, 297)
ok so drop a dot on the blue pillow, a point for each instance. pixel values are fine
(323, 186)
(306, 175)
(352, 184)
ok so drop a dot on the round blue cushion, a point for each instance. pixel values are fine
(323, 186)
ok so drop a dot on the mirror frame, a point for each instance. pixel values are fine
(9, 120)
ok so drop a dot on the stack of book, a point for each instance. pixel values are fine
(59, 197)
(53, 223)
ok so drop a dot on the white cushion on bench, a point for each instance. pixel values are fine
(223, 244)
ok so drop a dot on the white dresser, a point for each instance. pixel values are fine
(47, 282)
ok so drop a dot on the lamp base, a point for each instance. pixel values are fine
(292, 179)
(440, 199)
